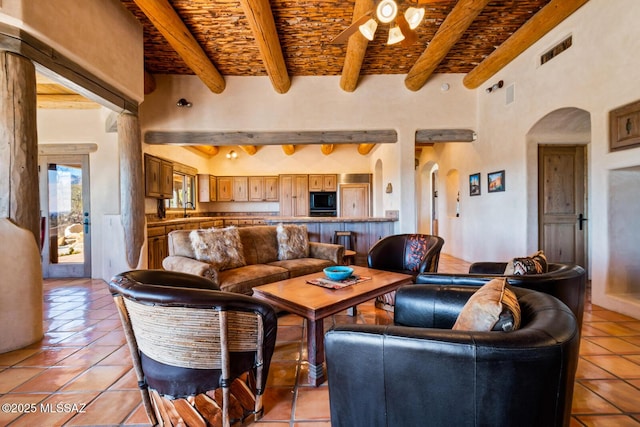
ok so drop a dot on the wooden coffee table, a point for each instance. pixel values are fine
(314, 303)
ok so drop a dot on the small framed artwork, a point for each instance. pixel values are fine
(496, 181)
(624, 127)
(474, 184)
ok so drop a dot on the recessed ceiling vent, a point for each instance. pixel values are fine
(556, 50)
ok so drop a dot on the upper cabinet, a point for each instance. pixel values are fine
(323, 182)
(158, 177)
(263, 188)
(207, 188)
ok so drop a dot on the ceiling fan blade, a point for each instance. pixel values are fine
(344, 35)
(410, 36)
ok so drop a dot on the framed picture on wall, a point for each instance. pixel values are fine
(474, 184)
(496, 181)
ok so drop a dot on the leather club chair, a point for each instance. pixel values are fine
(192, 345)
(419, 372)
(567, 282)
(404, 253)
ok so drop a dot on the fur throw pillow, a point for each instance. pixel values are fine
(493, 307)
(220, 247)
(293, 241)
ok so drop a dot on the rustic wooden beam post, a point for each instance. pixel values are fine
(131, 186)
(19, 190)
(356, 50)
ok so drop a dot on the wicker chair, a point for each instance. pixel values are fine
(201, 355)
(404, 253)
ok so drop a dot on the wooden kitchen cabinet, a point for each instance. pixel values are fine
(294, 195)
(323, 182)
(263, 188)
(240, 189)
(156, 247)
(207, 191)
(225, 189)
(354, 200)
(158, 177)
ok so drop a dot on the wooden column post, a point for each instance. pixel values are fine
(131, 186)
(19, 191)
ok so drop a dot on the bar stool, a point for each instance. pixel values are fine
(348, 240)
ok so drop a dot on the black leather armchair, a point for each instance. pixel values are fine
(567, 282)
(404, 253)
(419, 372)
(192, 344)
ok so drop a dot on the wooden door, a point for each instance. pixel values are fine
(562, 203)
(286, 195)
(354, 200)
(301, 195)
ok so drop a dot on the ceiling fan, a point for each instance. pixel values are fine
(402, 25)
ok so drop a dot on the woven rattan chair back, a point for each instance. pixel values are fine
(198, 338)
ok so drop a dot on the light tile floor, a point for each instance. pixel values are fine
(80, 374)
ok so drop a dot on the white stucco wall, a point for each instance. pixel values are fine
(595, 75)
(101, 36)
(314, 103)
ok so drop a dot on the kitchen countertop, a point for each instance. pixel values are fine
(270, 219)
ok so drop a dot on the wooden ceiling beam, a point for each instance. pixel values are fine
(263, 26)
(327, 149)
(210, 150)
(365, 149)
(356, 49)
(249, 149)
(381, 136)
(454, 26)
(537, 26)
(166, 20)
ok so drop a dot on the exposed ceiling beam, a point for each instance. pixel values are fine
(249, 149)
(327, 149)
(429, 136)
(540, 24)
(65, 101)
(261, 21)
(356, 50)
(450, 31)
(210, 150)
(166, 20)
(364, 149)
(382, 136)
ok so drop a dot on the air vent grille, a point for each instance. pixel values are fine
(556, 50)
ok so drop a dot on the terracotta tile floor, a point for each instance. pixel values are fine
(80, 373)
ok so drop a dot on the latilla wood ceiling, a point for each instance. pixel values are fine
(306, 27)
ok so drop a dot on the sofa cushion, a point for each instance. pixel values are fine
(492, 307)
(260, 244)
(302, 266)
(535, 264)
(241, 280)
(293, 241)
(220, 247)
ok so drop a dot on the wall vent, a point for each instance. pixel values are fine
(511, 93)
(556, 50)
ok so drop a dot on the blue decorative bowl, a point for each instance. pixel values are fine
(338, 272)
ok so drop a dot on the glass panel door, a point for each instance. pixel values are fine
(65, 208)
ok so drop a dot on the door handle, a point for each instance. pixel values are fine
(581, 220)
(86, 223)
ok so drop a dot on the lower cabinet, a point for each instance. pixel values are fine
(156, 247)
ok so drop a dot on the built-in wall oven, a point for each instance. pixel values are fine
(322, 203)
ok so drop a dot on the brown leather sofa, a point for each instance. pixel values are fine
(567, 282)
(260, 250)
(419, 372)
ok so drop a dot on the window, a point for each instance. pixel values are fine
(184, 187)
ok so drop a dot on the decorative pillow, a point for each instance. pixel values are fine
(220, 247)
(535, 264)
(493, 307)
(293, 241)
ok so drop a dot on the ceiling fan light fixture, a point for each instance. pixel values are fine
(395, 35)
(387, 11)
(414, 16)
(368, 29)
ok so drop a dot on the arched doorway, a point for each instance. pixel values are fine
(557, 153)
